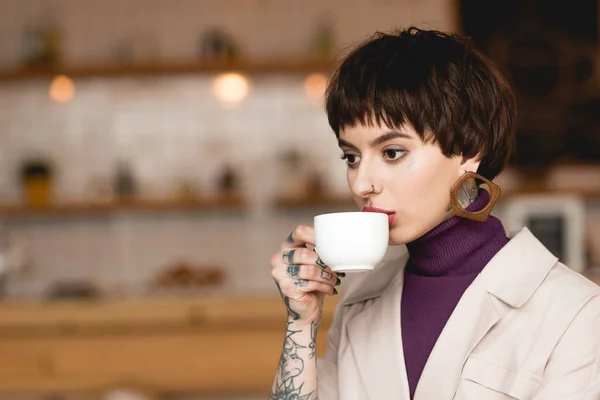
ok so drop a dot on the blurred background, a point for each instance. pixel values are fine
(154, 153)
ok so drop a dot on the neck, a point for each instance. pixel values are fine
(457, 246)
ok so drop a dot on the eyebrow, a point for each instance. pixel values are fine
(377, 141)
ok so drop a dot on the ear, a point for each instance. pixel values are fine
(470, 164)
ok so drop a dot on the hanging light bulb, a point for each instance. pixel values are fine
(231, 88)
(315, 86)
(62, 89)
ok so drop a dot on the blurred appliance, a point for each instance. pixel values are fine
(558, 221)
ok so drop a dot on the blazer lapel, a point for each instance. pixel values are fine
(475, 314)
(376, 343)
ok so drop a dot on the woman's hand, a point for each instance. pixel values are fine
(302, 278)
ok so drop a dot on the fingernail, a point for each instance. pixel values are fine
(342, 274)
(335, 291)
(339, 282)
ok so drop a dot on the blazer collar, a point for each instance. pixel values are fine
(518, 269)
(512, 275)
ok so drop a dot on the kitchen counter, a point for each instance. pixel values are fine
(186, 345)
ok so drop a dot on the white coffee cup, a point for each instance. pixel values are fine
(351, 241)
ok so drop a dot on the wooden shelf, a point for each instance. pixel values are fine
(287, 66)
(224, 203)
(234, 203)
(321, 201)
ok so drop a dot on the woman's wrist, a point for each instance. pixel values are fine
(303, 323)
(306, 324)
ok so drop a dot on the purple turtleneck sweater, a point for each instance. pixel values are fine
(441, 265)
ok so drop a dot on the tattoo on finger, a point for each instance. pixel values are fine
(293, 270)
(290, 238)
(288, 256)
(326, 275)
(320, 263)
(301, 282)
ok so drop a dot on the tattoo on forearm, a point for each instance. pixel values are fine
(288, 256)
(314, 327)
(290, 238)
(293, 270)
(289, 370)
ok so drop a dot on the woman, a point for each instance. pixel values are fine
(422, 120)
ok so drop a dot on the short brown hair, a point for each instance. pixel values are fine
(435, 81)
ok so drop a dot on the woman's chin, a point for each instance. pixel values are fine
(401, 235)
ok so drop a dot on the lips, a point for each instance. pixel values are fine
(391, 214)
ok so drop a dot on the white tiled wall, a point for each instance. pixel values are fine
(167, 127)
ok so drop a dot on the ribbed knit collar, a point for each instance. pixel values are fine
(457, 246)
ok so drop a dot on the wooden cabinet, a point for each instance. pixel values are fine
(225, 345)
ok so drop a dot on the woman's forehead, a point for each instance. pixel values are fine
(370, 130)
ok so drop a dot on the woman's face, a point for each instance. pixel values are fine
(412, 179)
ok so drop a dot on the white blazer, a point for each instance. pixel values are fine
(527, 328)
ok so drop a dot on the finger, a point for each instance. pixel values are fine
(319, 263)
(304, 286)
(299, 256)
(299, 237)
(303, 256)
(312, 273)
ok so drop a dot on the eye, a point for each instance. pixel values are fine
(394, 154)
(351, 159)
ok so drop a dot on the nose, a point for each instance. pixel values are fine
(364, 185)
